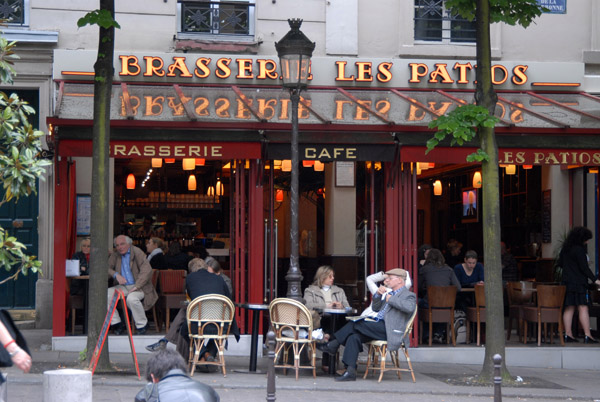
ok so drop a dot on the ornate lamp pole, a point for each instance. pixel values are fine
(294, 51)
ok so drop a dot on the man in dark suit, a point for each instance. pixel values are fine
(394, 311)
(197, 284)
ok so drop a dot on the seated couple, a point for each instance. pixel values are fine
(394, 310)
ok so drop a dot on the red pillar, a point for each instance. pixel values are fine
(255, 236)
(61, 199)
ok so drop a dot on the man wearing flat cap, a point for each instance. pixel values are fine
(393, 312)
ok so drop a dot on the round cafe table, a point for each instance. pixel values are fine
(336, 314)
(256, 309)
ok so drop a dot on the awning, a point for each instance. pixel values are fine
(320, 109)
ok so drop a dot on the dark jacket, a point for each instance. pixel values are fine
(430, 275)
(83, 262)
(176, 386)
(202, 283)
(177, 261)
(576, 269)
(158, 261)
(402, 304)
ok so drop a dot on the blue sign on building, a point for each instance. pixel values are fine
(554, 6)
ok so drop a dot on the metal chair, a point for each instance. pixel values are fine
(209, 318)
(289, 318)
(476, 314)
(441, 300)
(172, 291)
(550, 300)
(376, 356)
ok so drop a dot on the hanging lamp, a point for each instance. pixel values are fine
(437, 187)
(200, 161)
(156, 162)
(169, 160)
(130, 181)
(279, 195)
(319, 166)
(188, 163)
(477, 179)
(511, 169)
(286, 165)
(192, 183)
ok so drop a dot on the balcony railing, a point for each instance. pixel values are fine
(12, 11)
(217, 18)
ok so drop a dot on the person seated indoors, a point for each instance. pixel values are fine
(470, 272)
(175, 258)
(154, 247)
(435, 272)
(83, 255)
(169, 382)
(129, 267)
(422, 253)
(453, 253)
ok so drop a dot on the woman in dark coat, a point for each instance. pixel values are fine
(576, 272)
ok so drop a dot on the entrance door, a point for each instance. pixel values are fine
(20, 220)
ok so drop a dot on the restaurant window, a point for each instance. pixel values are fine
(13, 12)
(435, 23)
(222, 18)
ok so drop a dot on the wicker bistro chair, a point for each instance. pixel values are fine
(209, 317)
(376, 357)
(289, 318)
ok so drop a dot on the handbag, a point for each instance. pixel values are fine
(5, 359)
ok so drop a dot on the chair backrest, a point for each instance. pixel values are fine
(441, 297)
(520, 292)
(172, 281)
(155, 275)
(210, 310)
(289, 313)
(480, 296)
(550, 296)
(411, 320)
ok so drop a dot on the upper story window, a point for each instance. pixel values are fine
(13, 12)
(435, 23)
(222, 18)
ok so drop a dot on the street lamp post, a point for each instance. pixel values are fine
(294, 51)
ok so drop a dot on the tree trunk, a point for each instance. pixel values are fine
(486, 96)
(100, 189)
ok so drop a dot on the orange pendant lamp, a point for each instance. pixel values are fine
(169, 160)
(130, 181)
(319, 166)
(279, 195)
(156, 162)
(477, 179)
(286, 165)
(511, 169)
(437, 187)
(192, 183)
(188, 163)
(200, 161)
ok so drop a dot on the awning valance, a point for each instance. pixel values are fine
(320, 109)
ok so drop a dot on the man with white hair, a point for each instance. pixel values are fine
(394, 310)
(128, 266)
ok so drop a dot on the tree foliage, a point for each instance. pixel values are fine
(20, 162)
(519, 12)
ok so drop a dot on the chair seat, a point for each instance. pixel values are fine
(549, 309)
(378, 349)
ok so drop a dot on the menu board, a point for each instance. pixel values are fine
(84, 214)
(546, 216)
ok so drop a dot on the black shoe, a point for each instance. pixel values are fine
(143, 330)
(329, 347)
(569, 339)
(118, 329)
(589, 339)
(155, 347)
(347, 376)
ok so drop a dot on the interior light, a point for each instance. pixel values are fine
(156, 162)
(130, 181)
(437, 187)
(192, 183)
(477, 179)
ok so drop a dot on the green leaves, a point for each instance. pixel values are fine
(512, 12)
(20, 163)
(101, 18)
(460, 125)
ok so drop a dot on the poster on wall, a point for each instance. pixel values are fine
(470, 205)
(84, 213)
(546, 217)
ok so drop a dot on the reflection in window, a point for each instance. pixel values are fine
(12, 11)
(217, 17)
(435, 23)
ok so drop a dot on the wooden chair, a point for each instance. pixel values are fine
(477, 313)
(550, 299)
(289, 318)
(376, 356)
(76, 302)
(209, 318)
(155, 276)
(519, 294)
(441, 301)
(172, 292)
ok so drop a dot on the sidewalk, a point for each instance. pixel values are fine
(431, 380)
